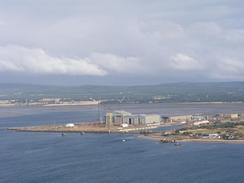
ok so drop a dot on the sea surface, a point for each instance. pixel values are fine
(104, 158)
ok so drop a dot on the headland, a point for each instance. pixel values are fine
(221, 128)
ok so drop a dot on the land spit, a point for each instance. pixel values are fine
(83, 127)
(145, 130)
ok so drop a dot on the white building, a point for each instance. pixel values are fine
(70, 125)
(214, 136)
(124, 125)
(199, 123)
(234, 116)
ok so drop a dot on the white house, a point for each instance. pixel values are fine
(124, 125)
(70, 125)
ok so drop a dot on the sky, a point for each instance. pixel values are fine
(121, 42)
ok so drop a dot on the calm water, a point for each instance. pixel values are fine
(95, 158)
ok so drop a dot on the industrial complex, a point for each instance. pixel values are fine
(124, 118)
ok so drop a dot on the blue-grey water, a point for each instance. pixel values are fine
(103, 158)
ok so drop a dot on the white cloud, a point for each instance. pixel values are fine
(231, 66)
(116, 64)
(21, 59)
(33, 60)
(184, 62)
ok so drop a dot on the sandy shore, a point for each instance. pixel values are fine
(89, 128)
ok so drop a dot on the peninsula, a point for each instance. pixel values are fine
(224, 128)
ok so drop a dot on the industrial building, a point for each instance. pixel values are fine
(199, 123)
(199, 117)
(123, 117)
(182, 118)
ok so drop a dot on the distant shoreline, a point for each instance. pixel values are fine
(95, 103)
(237, 102)
(48, 105)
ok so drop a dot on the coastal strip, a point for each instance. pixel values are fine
(81, 127)
(189, 140)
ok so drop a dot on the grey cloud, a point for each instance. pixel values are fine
(134, 38)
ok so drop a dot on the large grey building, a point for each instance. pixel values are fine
(123, 117)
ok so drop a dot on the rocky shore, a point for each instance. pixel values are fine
(186, 140)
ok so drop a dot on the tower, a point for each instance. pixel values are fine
(109, 120)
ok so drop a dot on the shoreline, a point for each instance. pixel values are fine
(47, 106)
(95, 104)
(217, 141)
(84, 127)
(103, 130)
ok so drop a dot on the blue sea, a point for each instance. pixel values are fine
(104, 158)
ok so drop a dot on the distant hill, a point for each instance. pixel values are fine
(174, 92)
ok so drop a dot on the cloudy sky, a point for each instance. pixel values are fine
(121, 41)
